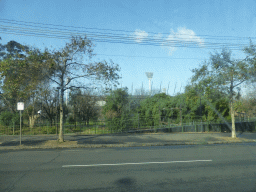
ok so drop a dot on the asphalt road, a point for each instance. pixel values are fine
(229, 167)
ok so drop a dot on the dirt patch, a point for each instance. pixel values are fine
(232, 139)
(54, 143)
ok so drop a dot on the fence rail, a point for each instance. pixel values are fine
(100, 128)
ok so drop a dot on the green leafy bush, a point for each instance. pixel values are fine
(71, 120)
(7, 118)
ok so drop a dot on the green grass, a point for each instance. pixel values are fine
(27, 130)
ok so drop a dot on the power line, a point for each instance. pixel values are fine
(72, 27)
(110, 35)
(109, 39)
(171, 58)
(50, 32)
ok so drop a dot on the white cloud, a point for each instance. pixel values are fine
(170, 43)
(183, 37)
(188, 36)
(140, 35)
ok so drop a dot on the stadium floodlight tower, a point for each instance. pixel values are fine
(149, 76)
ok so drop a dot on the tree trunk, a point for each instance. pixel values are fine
(233, 120)
(87, 121)
(32, 120)
(232, 110)
(61, 133)
(51, 120)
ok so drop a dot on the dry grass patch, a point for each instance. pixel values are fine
(54, 143)
(232, 139)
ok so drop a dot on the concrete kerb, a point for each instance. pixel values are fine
(123, 145)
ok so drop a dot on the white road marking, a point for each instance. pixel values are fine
(141, 163)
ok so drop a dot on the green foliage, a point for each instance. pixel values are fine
(220, 80)
(67, 65)
(48, 129)
(116, 103)
(71, 120)
(16, 118)
(246, 105)
(153, 108)
(116, 111)
(21, 71)
(222, 73)
(7, 118)
(202, 103)
(13, 49)
(250, 52)
(83, 105)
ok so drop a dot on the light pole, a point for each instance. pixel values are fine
(149, 76)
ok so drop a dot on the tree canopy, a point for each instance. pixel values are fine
(116, 110)
(225, 74)
(71, 67)
(24, 69)
(21, 71)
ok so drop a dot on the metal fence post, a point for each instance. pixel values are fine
(138, 120)
(13, 128)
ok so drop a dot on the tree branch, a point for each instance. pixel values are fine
(239, 83)
(53, 80)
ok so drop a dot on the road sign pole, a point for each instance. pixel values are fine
(20, 107)
(20, 127)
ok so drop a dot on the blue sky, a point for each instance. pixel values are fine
(196, 27)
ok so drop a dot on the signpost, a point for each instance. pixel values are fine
(20, 107)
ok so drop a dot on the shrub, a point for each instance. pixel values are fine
(7, 118)
(71, 120)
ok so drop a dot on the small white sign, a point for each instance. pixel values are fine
(20, 106)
